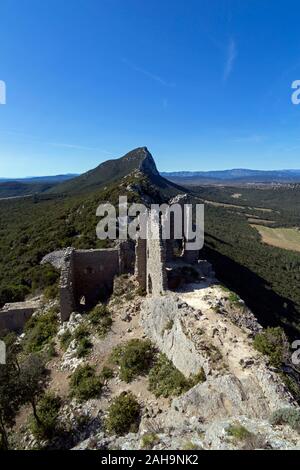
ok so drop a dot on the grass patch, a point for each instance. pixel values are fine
(149, 440)
(238, 432)
(246, 439)
(189, 445)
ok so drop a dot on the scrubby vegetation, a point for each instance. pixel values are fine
(263, 276)
(85, 384)
(106, 373)
(289, 416)
(273, 343)
(149, 440)
(100, 318)
(245, 439)
(238, 432)
(134, 358)
(66, 339)
(47, 424)
(123, 414)
(82, 338)
(40, 330)
(165, 380)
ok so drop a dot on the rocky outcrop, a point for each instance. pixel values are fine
(238, 379)
(163, 321)
(257, 434)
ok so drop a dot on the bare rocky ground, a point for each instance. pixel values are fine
(199, 326)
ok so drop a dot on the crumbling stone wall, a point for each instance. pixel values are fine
(141, 262)
(153, 254)
(67, 285)
(157, 282)
(88, 275)
(94, 271)
(126, 256)
(14, 316)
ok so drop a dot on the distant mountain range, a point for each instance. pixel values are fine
(18, 187)
(139, 159)
(41, 179)
(238, 175)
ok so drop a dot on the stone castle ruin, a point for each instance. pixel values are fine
(13, 316)
(87, 276)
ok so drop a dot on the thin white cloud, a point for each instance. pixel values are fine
(148, 74)
(252, 138)
(231, 54)
(35, 139)
(77, 147)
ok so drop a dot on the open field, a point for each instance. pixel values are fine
(287, 238)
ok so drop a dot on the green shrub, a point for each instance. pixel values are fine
(106, 373)
(134, 358)
(234, 298)
(47, 411)
(272, 342)
(238, 432)
(84, 383)
(290, 416)
(123, 415)
(81, 332)
(40, 330)
(292, 385)
(96, 315)
(149, 440)
(165, 380)
(50, 351)
(84, 347)
(51, 292)
(66, 339)
(246, 439)
(104, 327)
(100, 317)
(189, 445)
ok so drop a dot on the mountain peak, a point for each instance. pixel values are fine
(113, 170)
(145, 161)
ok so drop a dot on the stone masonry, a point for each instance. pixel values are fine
(87, 275)
(13, 316)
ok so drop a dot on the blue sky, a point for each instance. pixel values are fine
(204, 84)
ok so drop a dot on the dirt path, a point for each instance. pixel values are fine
(231, 341)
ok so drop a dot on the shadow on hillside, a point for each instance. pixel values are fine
(269, 308)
